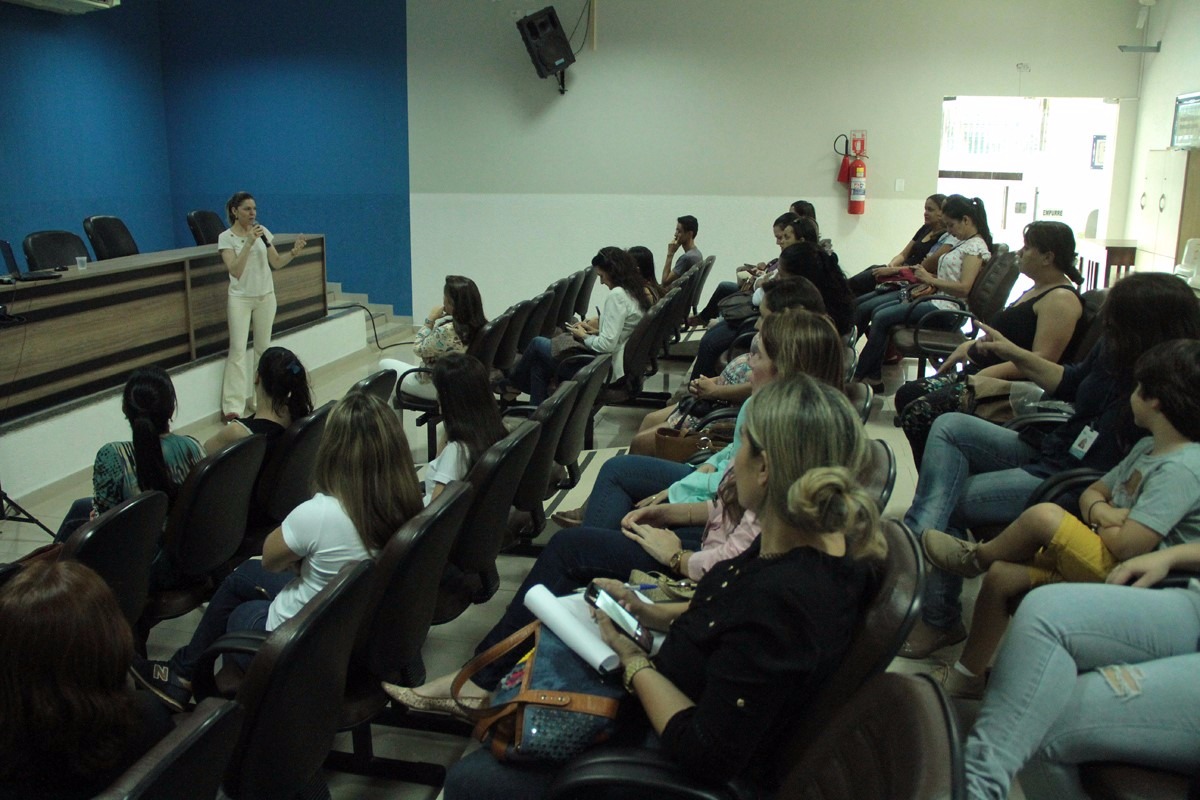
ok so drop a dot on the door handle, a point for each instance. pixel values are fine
(1142, 202)
(1162, 202)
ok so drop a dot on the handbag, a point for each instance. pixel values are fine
(549, 708)
(679, 446)
(737, 308)
(564, 344)
(987, 398)
(668, 589)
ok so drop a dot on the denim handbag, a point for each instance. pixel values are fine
(550, 707)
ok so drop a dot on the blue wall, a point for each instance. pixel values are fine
(187, 101)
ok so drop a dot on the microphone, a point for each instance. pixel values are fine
(265, 240)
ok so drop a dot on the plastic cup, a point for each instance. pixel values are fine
(81, 263)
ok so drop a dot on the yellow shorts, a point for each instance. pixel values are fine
(1076, 554)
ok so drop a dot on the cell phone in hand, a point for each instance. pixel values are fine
(626, 623)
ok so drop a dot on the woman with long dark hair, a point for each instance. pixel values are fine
(366, 488)
(71, 723)
(626, 304)
(966, 221)
(448, 328)
(250, 257)
(284, 396)
(155, 458)
(470, 418)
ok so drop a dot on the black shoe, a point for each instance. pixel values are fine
(166, 683)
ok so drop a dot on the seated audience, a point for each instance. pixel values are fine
(1044, 320)
(966, 221)
(975, 473)
(1093, 673)
(747, 274)
(470, 419)
(448, 328)
(732, 387)
(645, 264)
(71, 724)
(926, 246)
(626, 304)
(1130, 511)
(790, 343)
(752, 633)
(366, 488)
(155, 459)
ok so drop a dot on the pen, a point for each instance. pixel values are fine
(641, 587)
(597, 312)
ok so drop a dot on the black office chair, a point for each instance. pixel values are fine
(206, 226)
(109, 237)
(50, 249)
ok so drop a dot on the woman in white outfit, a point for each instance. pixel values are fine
(249, 256)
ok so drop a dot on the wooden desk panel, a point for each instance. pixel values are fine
(86, 331)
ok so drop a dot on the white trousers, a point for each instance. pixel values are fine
(244, 313)
(411, 384)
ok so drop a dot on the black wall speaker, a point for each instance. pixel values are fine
(546, 42)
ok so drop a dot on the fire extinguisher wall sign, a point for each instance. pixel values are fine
(858, 186)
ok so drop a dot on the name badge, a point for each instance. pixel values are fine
(1084, 441)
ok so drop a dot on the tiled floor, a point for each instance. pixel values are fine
(448, 645)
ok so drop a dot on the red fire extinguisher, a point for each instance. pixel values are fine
(858, 173)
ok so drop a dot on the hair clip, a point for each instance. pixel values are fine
(294, 368)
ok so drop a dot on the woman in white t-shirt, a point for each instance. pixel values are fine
(470, 417)
(366, 488)
(249, 256)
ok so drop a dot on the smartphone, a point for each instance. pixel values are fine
(626, 623)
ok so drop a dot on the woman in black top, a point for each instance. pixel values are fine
(282, 397)
(71, 725)
(922, 246)
(1043, 320)
(767, 628)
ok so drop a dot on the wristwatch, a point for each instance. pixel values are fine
(676, 562)
(632, 667)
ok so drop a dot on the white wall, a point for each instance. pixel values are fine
(725, 110)
(1172, 72)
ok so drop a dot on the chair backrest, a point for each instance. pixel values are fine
(208, 519)
(381, 384)
(1089, 329)
(643, 343)
(567, 309)
(860, 395)
(583, 300)
(537, 319)
(286, 480)
(405, 587)
(487, 340)
(120, 546)
(206, 226)
(591, 380)
(189, 762)
(993, 284)
(293, 691)
(510, 345)
(109, 237)
(896, 739)
(552, 415)
(551, 323)
(495, 477)
(10, 261)
(882, 476)
(50, 249)
(702, 273)
(882, 628)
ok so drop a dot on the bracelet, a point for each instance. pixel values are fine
(1089, 519)
(635, 665)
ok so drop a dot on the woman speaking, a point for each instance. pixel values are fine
(249, 256)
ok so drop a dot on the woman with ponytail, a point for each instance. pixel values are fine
(766, 628)
(155, 459)
(966, 221)
(282, 397)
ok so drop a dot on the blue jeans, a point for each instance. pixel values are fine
(79, 513)
(570, 561)
(866, 305)
(622, 482)
(970, 475)
(1055, 696)
(886, 317)
(241, 603)
(713, 343)
(534, 369)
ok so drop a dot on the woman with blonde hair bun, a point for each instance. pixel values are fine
(766, 629)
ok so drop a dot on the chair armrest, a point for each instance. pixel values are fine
(1042, 419)
(408, 372)
(716, 415)
(1065, 482)
(958, 301)
(567, 367)
(649, 772)
(523, 411)
(1177, 579)
(246, 643)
